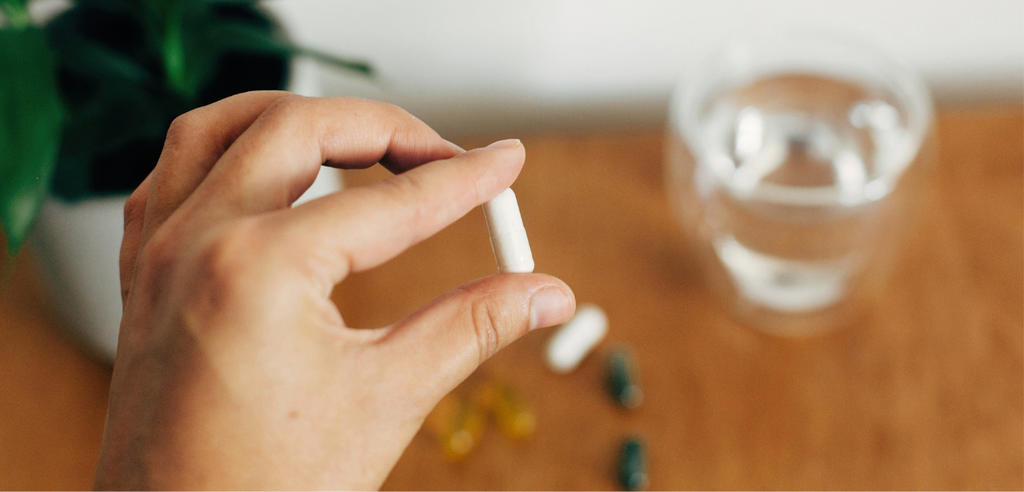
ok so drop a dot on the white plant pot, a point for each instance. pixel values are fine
(77, 247)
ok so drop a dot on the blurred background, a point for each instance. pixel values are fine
(468, 67)
(480, 67)
(925, 391)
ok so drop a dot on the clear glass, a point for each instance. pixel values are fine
(792, 161)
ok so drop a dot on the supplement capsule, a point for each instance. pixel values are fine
(622, 380)
(575, 339)
(506, 404)
(514, 417)
(458, 426)
(633, 465)
(484, 396)
(508, 236)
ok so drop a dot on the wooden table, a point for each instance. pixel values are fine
(926, 392)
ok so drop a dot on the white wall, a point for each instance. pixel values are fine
(472, 66)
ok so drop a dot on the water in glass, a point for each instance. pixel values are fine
(791, 170)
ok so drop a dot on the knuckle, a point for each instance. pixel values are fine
(158, 253)
(220, 272)
(224, 260)
(219, 263)
(286, 109)
(134, 208)
(358, 103)
(487, 327)
(392, 110)
(182, 128)
(387, 118)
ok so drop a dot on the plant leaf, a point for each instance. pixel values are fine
(246, 37)
(335, 61)
(88, 56)
(16, 12)
(30, 123)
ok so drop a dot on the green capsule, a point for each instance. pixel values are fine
(633, 465)
(622, 381)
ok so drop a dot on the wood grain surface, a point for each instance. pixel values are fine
(925, 392)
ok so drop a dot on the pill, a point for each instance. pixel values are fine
(508, 236)
(575, 339)
(622, 379)
(506, 404)
(633, 464)
(513, 415)
(457, 425)
(484, 396)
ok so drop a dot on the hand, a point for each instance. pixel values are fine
(234, 369)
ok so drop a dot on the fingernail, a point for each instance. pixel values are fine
(455, 147)
(505, 144)
(549, 307)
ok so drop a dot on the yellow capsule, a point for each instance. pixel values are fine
(484, 396)
(514, 416)
(457, 425)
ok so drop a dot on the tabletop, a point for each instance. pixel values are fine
(924, 392)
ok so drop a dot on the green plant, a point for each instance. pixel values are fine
(85, 100)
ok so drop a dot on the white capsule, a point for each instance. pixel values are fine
(575, 339)
(508, 236)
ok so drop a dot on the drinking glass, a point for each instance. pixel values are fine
(794, 163)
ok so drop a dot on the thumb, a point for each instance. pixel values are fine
(440, 345)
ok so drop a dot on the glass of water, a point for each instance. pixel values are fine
(794, 163)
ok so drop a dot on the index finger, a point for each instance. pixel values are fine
(278, 156)
(359, 229)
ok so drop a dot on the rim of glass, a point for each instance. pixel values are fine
(735, 63)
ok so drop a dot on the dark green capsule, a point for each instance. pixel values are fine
(633, 465)
(622, 380)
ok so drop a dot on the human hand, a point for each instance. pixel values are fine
(234, 369)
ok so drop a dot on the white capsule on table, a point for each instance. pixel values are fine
(508, 236)
(575, 339)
